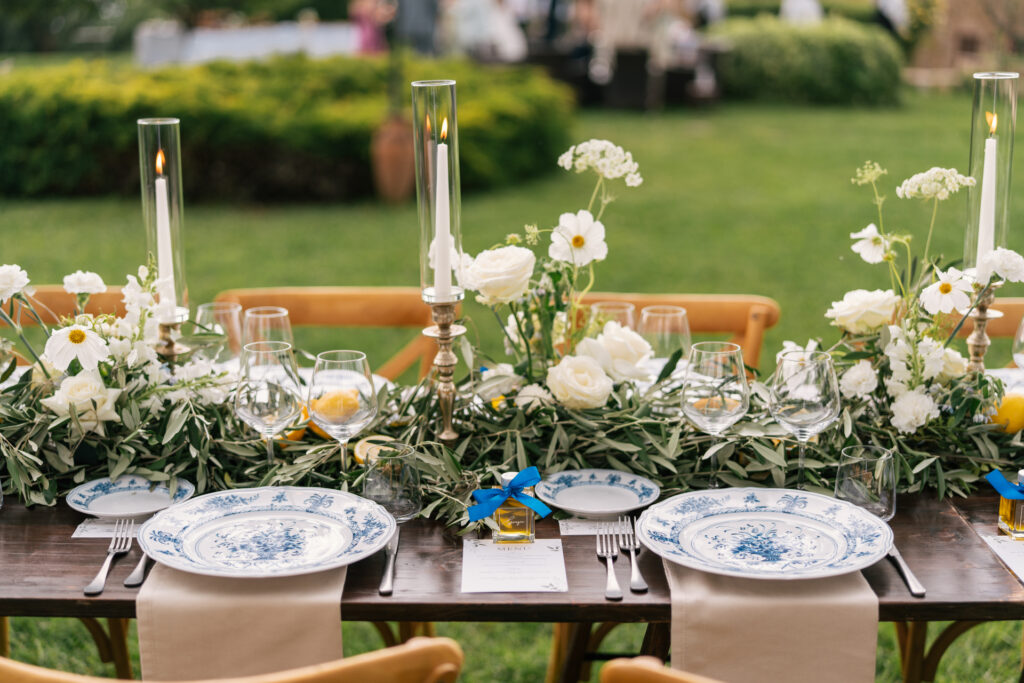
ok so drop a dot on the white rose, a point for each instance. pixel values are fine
(579, 382)
(859, 381)
(93, 401)
(912, 410)
(954, 365)
(533, 396)
(862, 311)
(501, 275)
(498, 381)
(84, 282)
(621, 352)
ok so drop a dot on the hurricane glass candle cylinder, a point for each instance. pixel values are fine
(160, 176)
(436, 145)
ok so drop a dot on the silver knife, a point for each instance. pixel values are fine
(138, 574)
(387, 582)
(916, 587)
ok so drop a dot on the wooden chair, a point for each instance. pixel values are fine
(353, 307)
(744, 316)
(53, 303)
(421, 660)
(647, 670)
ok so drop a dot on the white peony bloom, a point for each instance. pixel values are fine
(501, 380)
(621, 352)
(912, 410)
(578, 239)
(12, 280)
(954, 365)
(501, 275)
(92, 400)
(579, 382)
(871, 246)
(859, 381)
(862, 311)
(84, 282)
(75, 341)
(533, 396)
(935, 183)
(951, 292)
(895, 387)
(1005, 263)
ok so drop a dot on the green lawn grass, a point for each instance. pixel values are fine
(736, 198)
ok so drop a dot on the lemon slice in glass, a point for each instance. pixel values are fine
(365, 451)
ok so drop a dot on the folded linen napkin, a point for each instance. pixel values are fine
(197, 627)
(738, 630)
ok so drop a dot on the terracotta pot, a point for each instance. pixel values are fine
(391, 154)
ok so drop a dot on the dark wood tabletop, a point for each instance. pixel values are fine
(43, 570)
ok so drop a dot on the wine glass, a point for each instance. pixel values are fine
(622, 312)
(867, 478)
(267, 323)
(393, 479)
(804, 397)
(342, 400)
(715, 391)
(220, 323)
(1018, 345)
(667, 330)
(268, 398)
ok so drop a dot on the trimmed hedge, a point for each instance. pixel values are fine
(837, 61)
(286, 128)
(859, 10)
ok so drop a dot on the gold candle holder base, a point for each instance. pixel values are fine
(978, 341)
(168, 347)
(445, 331)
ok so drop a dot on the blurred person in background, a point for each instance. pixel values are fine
(416, 24)
(485, 29)
(370, 17)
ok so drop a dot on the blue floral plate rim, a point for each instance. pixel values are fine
(645, 490)
(84, 497)
(744, 532)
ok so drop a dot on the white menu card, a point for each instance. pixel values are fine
(537, 567)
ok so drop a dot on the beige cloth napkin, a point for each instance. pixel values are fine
(738, 630)
(196, 627)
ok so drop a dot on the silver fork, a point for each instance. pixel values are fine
(627, 541)
(607, 549)
(119, 545)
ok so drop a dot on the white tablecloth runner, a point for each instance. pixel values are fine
(196, 627)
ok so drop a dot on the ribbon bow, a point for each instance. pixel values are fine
(489, 500)
(1006, 488)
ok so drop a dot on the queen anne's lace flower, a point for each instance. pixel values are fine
(578, 239)
(1005, 263)
(75, 341)
(952, 291)
(84, 282)
(859, 381)
(871, 245)
(12, 280)
(606, 158)
(868, 173)
(935, 183)
(912, 410)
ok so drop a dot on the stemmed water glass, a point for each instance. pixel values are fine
(622, 312)
(715, 391)
(268, 397)
(804, 397)
(342, 400)
(267, 323)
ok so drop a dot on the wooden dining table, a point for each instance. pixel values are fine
(43, 570)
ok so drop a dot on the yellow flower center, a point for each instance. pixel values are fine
(578, 241)
(76, 336)
(945, 288)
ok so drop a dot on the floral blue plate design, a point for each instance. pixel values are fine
(597, 493)
(129, 496)
(764, 533)
(267, 532)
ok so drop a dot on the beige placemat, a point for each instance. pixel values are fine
(739, 630)
(196, 627)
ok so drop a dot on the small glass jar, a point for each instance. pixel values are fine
(516, 521)
(1011, 514)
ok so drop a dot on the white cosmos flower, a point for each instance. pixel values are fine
(84, 282)
(1006, 263)
(870, 244)
(75, 341)
(12, 280)
(912, 410)
(859, 381)
(578, 239)
(952, 291)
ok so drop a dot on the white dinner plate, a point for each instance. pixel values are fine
(266, 532)
(764, 533)
(129, 496)
(597, 493)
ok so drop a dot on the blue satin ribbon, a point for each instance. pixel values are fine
(489, 500)
(1006, 488)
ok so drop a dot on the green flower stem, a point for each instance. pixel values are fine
(526, 342)
(597, 187)
(931, 226)
(21, 335)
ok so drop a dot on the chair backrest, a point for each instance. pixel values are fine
(745, 316)
(353, 307)
(420, 660)
(1012, 309)
(647, 670)
(53, 303)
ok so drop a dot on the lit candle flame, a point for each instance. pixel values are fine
(428, 125)
(993, 121)
(160, 162)
(444, 129)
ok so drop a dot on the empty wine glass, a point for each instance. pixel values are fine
(220, 325)
(667, 330)
(622, 312)
(268, 397)
(867, 477)
(1018, 345)
(393, 479)
(267, 323)
(804, 397)
(342, 400)
(715, 391)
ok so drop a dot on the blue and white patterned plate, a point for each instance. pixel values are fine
(764, 533)
(597, 493)
(129, 496)
(266, 532)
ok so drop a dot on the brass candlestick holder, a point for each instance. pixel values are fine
(168, 346)
(978, 341)
(445, 331)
